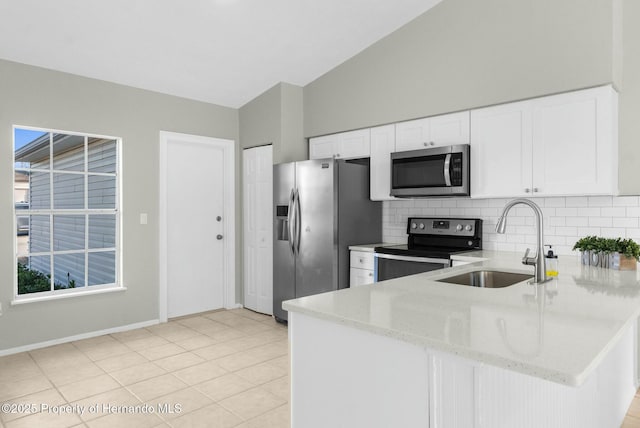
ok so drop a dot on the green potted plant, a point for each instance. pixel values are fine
(618, 253)
(588, 246)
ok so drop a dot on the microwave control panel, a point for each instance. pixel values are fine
(455, 169)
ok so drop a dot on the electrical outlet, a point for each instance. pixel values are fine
(0, 309)
(143, 218)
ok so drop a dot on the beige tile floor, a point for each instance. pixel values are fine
(633, 414)
(217, 369)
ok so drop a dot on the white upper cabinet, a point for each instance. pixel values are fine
(450, 129)
(575, 143)
(413, 135)
(383, 143)
(563, 144)
(345, 145)
(435, 131)
(501, 150)
(323, 147)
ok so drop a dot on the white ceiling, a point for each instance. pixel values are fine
(224, 52)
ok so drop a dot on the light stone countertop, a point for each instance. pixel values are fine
(559, 331)
(367, 248)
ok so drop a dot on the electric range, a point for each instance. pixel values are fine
(430, 243)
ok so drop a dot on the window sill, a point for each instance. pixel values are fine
(24, 300)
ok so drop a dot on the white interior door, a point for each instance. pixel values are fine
(193, 187)
(258, 228)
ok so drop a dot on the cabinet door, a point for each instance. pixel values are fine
(453, 385)
(323, 147)
(353, 144)
(413, 135)
(383, 143)
(450, 129)
(574, 143)
(359, 277)
(501, 150)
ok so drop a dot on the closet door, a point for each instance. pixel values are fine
(258, 228)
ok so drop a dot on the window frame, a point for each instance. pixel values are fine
(87, 212)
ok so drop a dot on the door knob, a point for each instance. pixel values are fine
(219, 237)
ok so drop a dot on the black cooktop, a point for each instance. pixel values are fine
(431, 253)
(437, 238)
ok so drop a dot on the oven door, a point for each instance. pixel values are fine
(437, 171)
(389, 266)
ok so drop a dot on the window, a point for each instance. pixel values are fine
(67, 212)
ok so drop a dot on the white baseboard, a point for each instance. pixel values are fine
(67, 339)
(234, 306)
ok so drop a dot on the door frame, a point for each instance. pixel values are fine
(229, 228)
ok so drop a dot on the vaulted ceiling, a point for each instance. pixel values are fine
(224, 52)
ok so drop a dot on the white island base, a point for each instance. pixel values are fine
(342, 376)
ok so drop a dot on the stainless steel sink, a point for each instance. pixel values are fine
(486, 278)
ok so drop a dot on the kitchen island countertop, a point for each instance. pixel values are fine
(558, 331)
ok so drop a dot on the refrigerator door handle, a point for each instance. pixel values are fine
(290, 220)
(298, 222)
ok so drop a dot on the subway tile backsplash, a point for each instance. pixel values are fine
(566, 219)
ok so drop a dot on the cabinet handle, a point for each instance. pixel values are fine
(432, 143)
(361, 260)
(536, 190)
(425, 144)
(527, 190)
(370, 274)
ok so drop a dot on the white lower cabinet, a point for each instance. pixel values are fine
(361, 271)
(565, 144)
(347, 377)
(360, 277)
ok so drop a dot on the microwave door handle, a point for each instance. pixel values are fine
(447, 171)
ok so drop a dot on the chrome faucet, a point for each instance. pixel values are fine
(540, 270)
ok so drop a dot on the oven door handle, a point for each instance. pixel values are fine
(412, 259)
(447, 170)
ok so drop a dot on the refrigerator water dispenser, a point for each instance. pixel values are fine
(282, 222)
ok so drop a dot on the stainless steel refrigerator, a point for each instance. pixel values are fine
(320, 208)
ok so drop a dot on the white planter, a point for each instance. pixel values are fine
(619, 261)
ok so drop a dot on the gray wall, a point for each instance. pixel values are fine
(466, 53)
(463, 54)
(42, 98)
(275, 117)
(293, 145)
(630, 99)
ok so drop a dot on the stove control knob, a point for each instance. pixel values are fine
(468, 228)
(459, 227)
(421, 225)
(413, 225)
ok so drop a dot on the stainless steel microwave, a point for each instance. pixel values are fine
(439, 171)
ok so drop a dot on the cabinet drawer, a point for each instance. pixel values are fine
(362, 260)
(360, 277)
